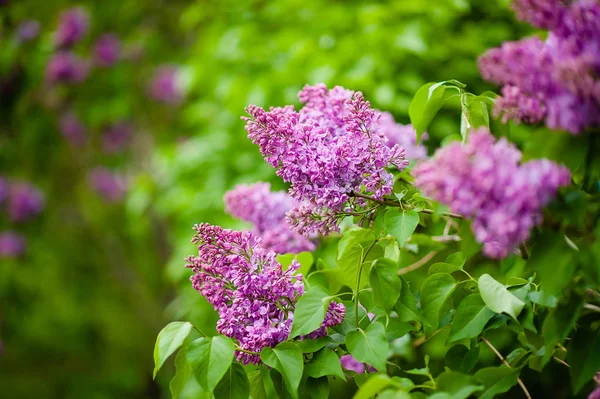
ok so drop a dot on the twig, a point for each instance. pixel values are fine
(423, 339)
(399, 205)
(592, 293)
(591, 307)
(418, 263)
(561, 361)
(493, 348)
(446, 238)
(524, 251)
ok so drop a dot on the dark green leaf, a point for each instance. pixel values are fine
(470, 319)
(401, 224)
(183, 371)
(210, 358)
(318, 388)
(310, 311)
(583, 354)
(369, 346)
(234, 384)
(287, 359)
(558, 325)
(459, 386)
(460, 358)
(169, 340)
(498, 298)
(434, 292)
(406, 307)
(385, 283)
(310, 345)
(324, 363)
(496, 380)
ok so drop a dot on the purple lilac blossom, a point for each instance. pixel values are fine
(28, 30)
(111, 186)
(4, 189)
(72, 129)
(165, 87)
(556, 80)
(25, 202)
(403, 135)
(254, 297)
(266, 210)
(12, 245)
(595, 394)
(66, 67)
(329, 149)
(107, 50)
(485, 181)
(350, 363)
(73, 25)
(116, 137)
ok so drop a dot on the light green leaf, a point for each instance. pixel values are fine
(470, 318)
(498, 298)
(310, 345)
(234, 384)
(310, 311)
(496, 380)
(210, 357)
(396, 328)
(442, 267)
(543, 299)
(183, 371)
(325, 362)
(375, 384)
(287, 359)
(401, 224)
(425, 104)
(169, 340)
(257, 385)
(385, 283)
(434, 292)
(459, 386)
(457, 259)
(352, 250)
(369, 346)
(318, 388)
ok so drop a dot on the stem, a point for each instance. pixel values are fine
(589, 306)
(399, 205)
(362, 261)
(237, 348)
(592, 292)
(561, 361)
(417, 264)
(524, 251)
(422, 339)
(493, 348)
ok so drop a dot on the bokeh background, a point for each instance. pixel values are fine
(121, 141)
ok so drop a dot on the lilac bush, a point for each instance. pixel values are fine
(72, 26)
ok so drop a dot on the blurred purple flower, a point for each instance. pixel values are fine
(73, 129)
(164, 86)
(111, 186)
(66, 67)
(28, 30)
(403, 135)
(12, 244)
(25, 202)
(116, 137)
(595, 394)
(107, 50)
(349, 363)
(72, 26)
(4, 189)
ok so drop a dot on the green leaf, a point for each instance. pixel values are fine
(287, 359)
(183, 371)
(375, 384)
(406, 307)
(459, 386)
(169, 340)
(352, 249)
(516, 356)
(210, 357)
(434, 292)
(396, 329)
(496, 380)
(385, 283)
(234, 384)
(442, 267)
(369, 346)
(305, 259)
(470, 319)
(583, 354)
(257, 385)
(318, 388)
(558, 325)
(401, 224)
(543, 299)
(310, 345)
(310, 311)
(460, 358)
(425, 104)
(325, 362)
(498, 298)
(457, 259)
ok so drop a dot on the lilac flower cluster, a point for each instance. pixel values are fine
(350, 363)
(331, 148)
(72, 129)
(164, 86)
(107, 50)
(254, 296)
(66, 67)
(12, 245)
(403, 135)
(109, 185)
(116, 137)
(556, 80)
(485, 181)
(28, 31)
(266, 210)
(72, 26)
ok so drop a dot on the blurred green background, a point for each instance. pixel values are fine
(81, 308)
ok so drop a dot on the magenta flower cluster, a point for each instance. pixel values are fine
(485, 181)
(73, 129)
(556, 80)
(403, 135)
(72, 26)
(110, 186)
(164, 86)
(107, 50)
(331, 148)
(266, 210)
(254, 297)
